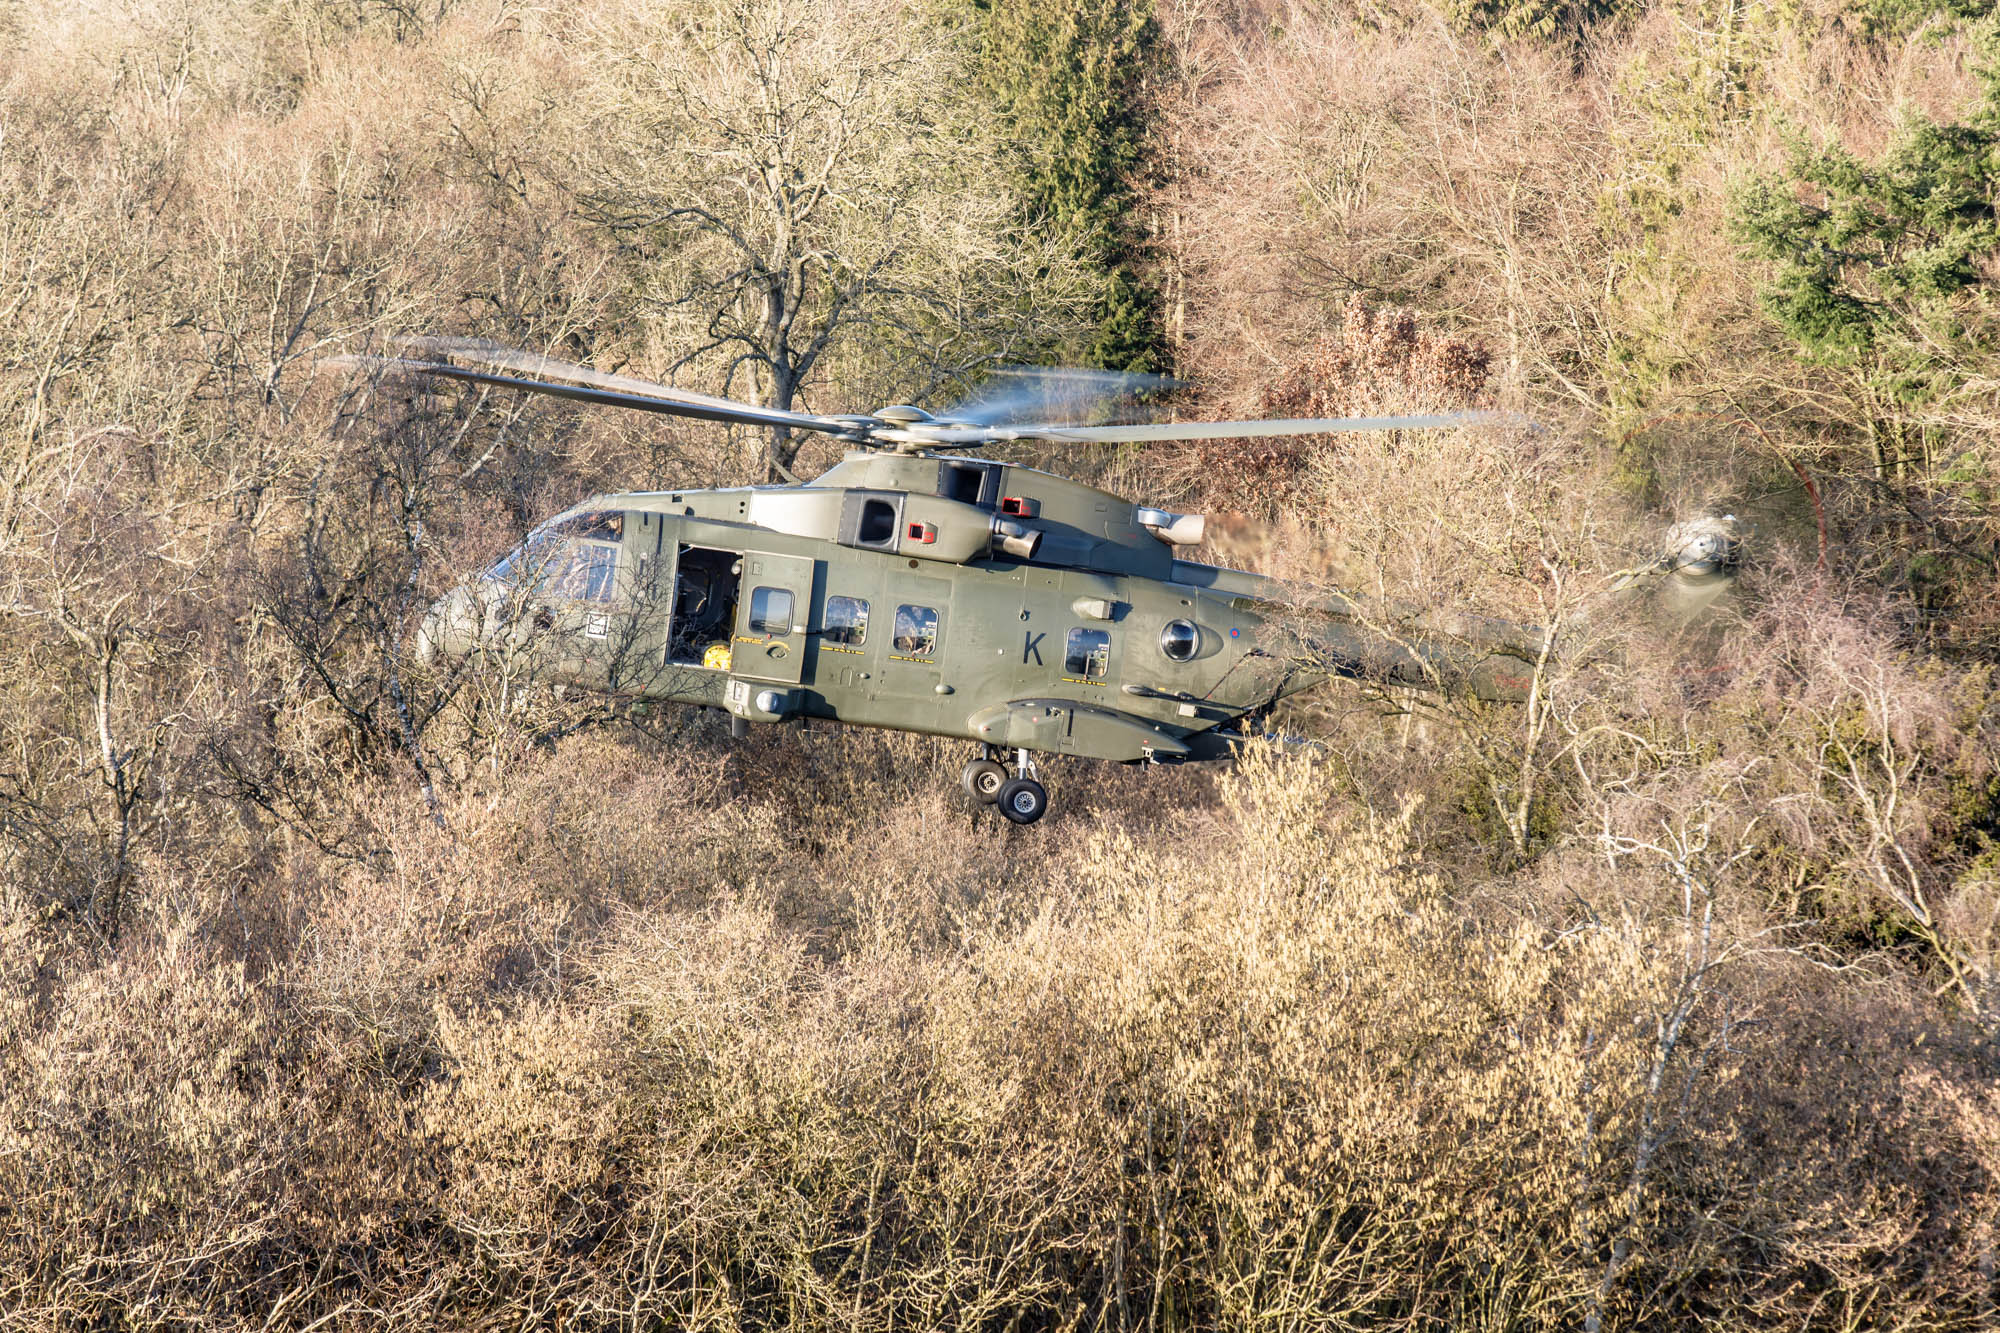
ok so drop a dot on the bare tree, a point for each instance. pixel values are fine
(802, 189)
(98, 597)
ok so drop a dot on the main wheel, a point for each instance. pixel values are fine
(1024, 800)
(983, 780)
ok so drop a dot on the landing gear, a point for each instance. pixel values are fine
(1024, 800)
(983, 780)
(1020, 797)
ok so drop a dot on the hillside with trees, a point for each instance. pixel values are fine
(339, 989)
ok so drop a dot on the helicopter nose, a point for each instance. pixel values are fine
(447, 628)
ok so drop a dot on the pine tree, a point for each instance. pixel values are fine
(1068, 77)
(1549, 20)
(1877, 269)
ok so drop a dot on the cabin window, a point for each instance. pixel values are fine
(1179, 640)
(916, 630)
(846, 621)
(771, 611)
(1088, 654)
(878, 523)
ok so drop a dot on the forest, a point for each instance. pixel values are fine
(340, 990)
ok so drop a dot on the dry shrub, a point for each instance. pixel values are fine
(602, 820)
(1382, 363)
(820, 1138)
(1273, 1066)
(527, 1127)
(1282, 1074)
(175, 1150)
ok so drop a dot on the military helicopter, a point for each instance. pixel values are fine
(915, 588)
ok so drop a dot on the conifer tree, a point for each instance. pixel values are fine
(1549, 20)
(1877, 268)
(1068, 78)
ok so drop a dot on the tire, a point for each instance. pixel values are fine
(983, 780)
(1024, 800)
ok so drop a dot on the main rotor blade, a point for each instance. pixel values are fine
(1013, 394)
(698, 406)
(537, 365)
(1188, 430)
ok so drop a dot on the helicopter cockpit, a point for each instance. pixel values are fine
(572, 560)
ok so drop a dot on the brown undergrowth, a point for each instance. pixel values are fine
(644, 1059)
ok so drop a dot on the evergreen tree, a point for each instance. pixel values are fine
(1068, 78)
(1877, 268)
(1546, 19)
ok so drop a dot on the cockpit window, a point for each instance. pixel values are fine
(540, 556)
(598, 525)
(567, 571)
(523, 560)
(582, 573)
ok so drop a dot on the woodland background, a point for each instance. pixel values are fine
(337, 991)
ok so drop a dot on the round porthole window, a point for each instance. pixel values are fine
(1179, 640)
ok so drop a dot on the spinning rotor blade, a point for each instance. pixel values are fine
(967, 437)
(978, 421)
(478, 351)
(642, 395)
(1041, 393)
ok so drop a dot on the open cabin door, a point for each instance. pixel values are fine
(773, 610)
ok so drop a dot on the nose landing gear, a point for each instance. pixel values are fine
(1022, 799)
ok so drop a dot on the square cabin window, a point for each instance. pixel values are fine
(771, 611)
(846, 622)
(916, 630)
(1087, 654)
